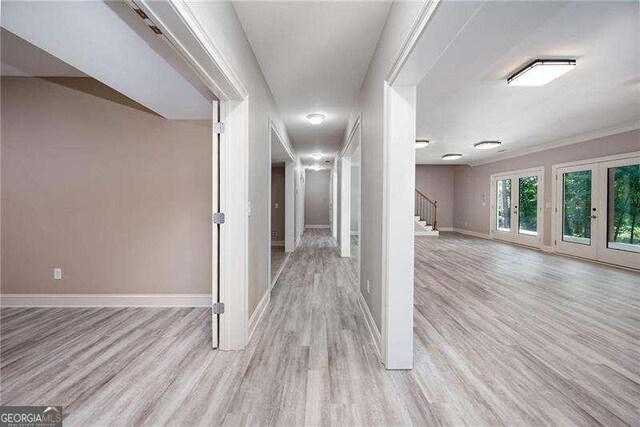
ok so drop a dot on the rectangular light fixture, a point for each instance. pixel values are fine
(540, 72)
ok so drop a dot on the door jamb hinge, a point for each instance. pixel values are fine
(218, 308)
(218, 218)
(218, 127)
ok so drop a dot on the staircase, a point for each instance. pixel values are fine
(426, 216)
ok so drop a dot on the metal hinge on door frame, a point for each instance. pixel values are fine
(218, 127)
(218, 308)
(218, 218)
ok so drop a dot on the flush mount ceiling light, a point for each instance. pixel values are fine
(317, 156)
(486, 145)
(315, 118)
(421, 143)
(451, 156)
(540, 72)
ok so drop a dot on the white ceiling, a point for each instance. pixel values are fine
(314, 56)
(100, 39)
(21, 58)
(470, 48)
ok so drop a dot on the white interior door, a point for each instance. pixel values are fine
(215, 228)
(577, 210)
(517, 207)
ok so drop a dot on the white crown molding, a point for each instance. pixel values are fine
(284, 142)
(411, 40)
(576, 139)
(105, 300)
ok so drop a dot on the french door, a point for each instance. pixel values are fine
(516, 207)
(597, 211)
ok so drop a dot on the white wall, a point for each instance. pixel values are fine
(222, 25)
(316, 197)
(371, 103)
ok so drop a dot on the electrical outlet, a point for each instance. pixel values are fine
(57, 273)
(368, 287)
(276, 206)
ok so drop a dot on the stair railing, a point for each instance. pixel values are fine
(426, 209)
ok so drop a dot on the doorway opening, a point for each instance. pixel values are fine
(281, 210)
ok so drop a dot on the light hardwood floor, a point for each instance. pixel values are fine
(504, 336)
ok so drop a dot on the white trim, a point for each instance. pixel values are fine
(345, 206)
(349, 137)
(371, 324)
(355, 233)
(279, 272)
(602, 159)
(546, 248)
(105, 300)
(445, 229)
(472, 233)
(411, 40)
(258, 313)
(278, 243)
(317, 226)
(298, 241)
(588, 136)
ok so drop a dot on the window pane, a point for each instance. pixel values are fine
(503, 204)
(576, 216)
(528, 205)
(623, 216)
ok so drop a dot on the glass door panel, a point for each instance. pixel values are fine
(528, 205)
(623, 208)
(503, 204)
(576, 207)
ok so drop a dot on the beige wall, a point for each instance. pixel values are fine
(277, 197)
(436, 182)
(316, 197)
(472, 184)
(120, 199)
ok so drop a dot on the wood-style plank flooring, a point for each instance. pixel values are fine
(503, 336)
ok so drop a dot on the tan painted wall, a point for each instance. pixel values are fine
(120, 199)
(436, 182)
(277, 196)
(471, 184)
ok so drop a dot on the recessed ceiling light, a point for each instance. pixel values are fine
(486, 145)
(421, 143)
(317, 156)
(451, 156)
(540, 72)
(315, 118)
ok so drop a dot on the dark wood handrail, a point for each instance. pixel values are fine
(428, 199)
(429, 216)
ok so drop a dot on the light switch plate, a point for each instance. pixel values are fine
(57, 274)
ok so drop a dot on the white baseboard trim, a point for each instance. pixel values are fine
(277, 243)
(371, 324)
(258, 313)
(317, 226)
(445, 229)
(298, 241)
(472, 233)
(549, 249)
(277, 275)
(105, 300)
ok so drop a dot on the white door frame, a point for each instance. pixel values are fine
(513, 235)
(288, 197)
(345, 186)
(182, 29)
